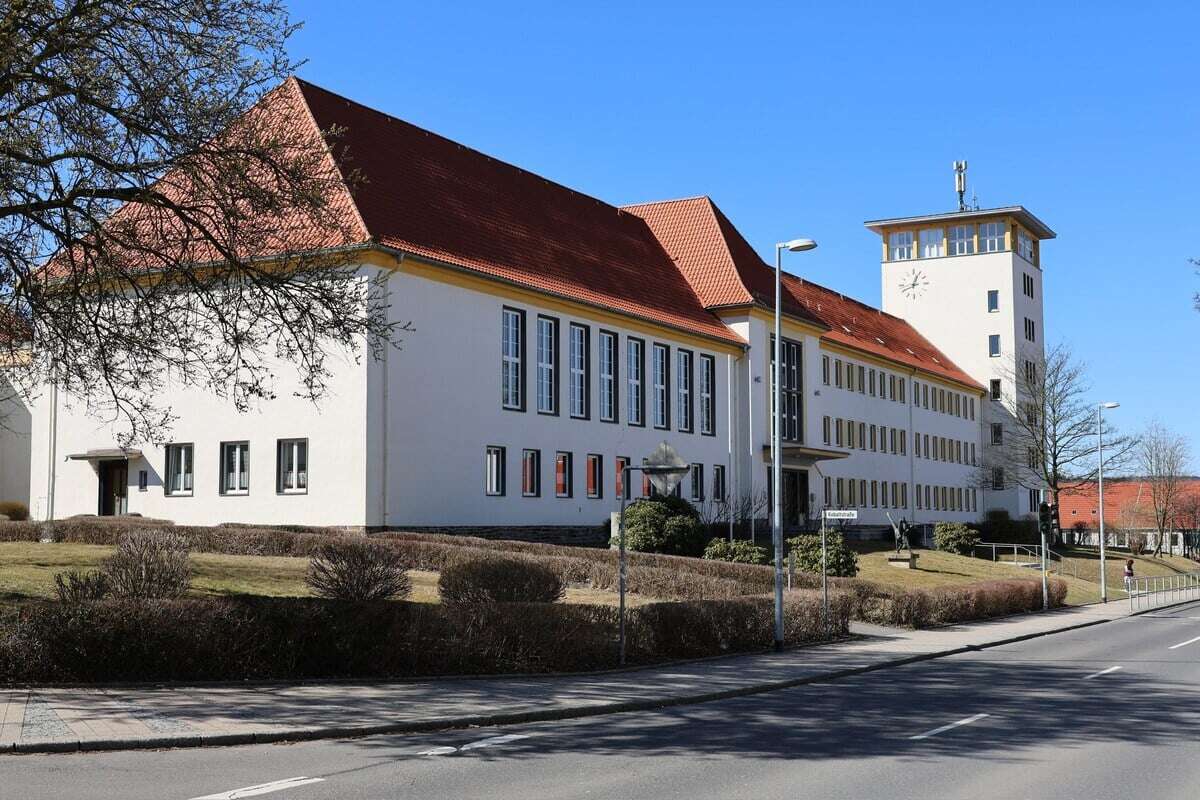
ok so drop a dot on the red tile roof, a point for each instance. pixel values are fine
(725, 270)
(430, 196)
(1128, 503)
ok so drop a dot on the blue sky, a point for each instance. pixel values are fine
(808, 118)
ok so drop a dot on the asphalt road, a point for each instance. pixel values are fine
(1110, 711)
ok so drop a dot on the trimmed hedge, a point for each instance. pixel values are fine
(739, 551)
(260, 638)
(499, 579)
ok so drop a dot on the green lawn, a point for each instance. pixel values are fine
(935, 568)
(27, 570)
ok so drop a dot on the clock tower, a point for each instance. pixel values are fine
(970, 282)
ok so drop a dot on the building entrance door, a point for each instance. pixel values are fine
(114, 488)
(795, 498)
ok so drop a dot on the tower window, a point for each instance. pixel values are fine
(991, 237)
(993, 300)
(932, 245)
(995, 389)
(1025, 246)
(994, 345)
(901, 245)
(962, 240)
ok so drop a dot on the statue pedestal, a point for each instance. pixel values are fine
(903, 560)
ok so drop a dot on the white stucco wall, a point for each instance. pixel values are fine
(335, 428)
(444, 408)
(952, 313)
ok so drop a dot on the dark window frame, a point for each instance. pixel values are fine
(601, 333)
(522, 361)
(587, 369)
(556, 373)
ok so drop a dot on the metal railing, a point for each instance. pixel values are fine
(1162, 589)
(997, 550)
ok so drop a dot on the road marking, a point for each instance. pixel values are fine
(262, 788)
(489, 742)
(1101, 672)
(1183, 644)
(949, 727)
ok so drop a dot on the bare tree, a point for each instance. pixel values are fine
(1188, 517)
(165, 219)
(1162, 459)
(1050, 438)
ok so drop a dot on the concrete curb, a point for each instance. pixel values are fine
(309, 733)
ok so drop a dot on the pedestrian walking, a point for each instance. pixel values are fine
(1129, 575)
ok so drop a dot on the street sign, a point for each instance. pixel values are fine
(665, 468)
(841, 513)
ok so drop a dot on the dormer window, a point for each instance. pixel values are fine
(962, 240)
(901, 245)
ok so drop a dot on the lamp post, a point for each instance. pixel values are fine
(1100, 480)
(795, 246)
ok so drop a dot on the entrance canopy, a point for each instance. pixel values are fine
(106, 454)
(799, 455)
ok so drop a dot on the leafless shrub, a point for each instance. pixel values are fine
(357, 570)
(149, 564)
(81, 587)
(486, 580)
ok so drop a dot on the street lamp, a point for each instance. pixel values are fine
(794, 246)
(1100, 475)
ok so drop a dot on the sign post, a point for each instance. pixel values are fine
(665, 469)
(828, 514)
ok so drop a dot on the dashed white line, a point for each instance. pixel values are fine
(1184, 644)
(951, 726)
(262, 788)
(489, 742)
(1101, 672)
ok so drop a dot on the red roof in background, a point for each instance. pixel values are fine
(726, 270)
(433, 197)
(1127, 503)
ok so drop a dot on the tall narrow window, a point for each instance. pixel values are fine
(997, 433)
(697, 487)
(994, 389)
(235, 467)
(708, 385)
(931, 243)
(547, 365)
(901, 245)
(837, 372)
(962, 240)
(994, 345)
(991, 237)
(683, 390)
(660, 372)
(179, 470)
(792, 400)
(998, 478)
(608, 376)
(635, 368)
(825, 425)
(1030, 330)
(292, 466)
(900, 384)
(872, 381)
(825, 370)
(563, 479)
(580, 347)
(862, 380)
(993, 300)
(531, 473)
(718, 483)
(595, 475)
(621, 486)
(493, 472)
(512, 359)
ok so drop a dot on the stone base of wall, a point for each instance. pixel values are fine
(574, 535)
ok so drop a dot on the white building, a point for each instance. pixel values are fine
(556, 337)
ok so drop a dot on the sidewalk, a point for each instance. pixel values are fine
(69, 719)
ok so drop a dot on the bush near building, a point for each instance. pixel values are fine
(840, 560)
(486, 579)
(667, 525)
(955, 537)
(358, 571)
(13, 510)
(739, 551)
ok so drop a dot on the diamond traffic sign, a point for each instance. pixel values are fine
(665, 468)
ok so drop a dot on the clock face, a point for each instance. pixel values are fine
(914, 284)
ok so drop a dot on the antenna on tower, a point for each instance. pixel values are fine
(960, 183)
